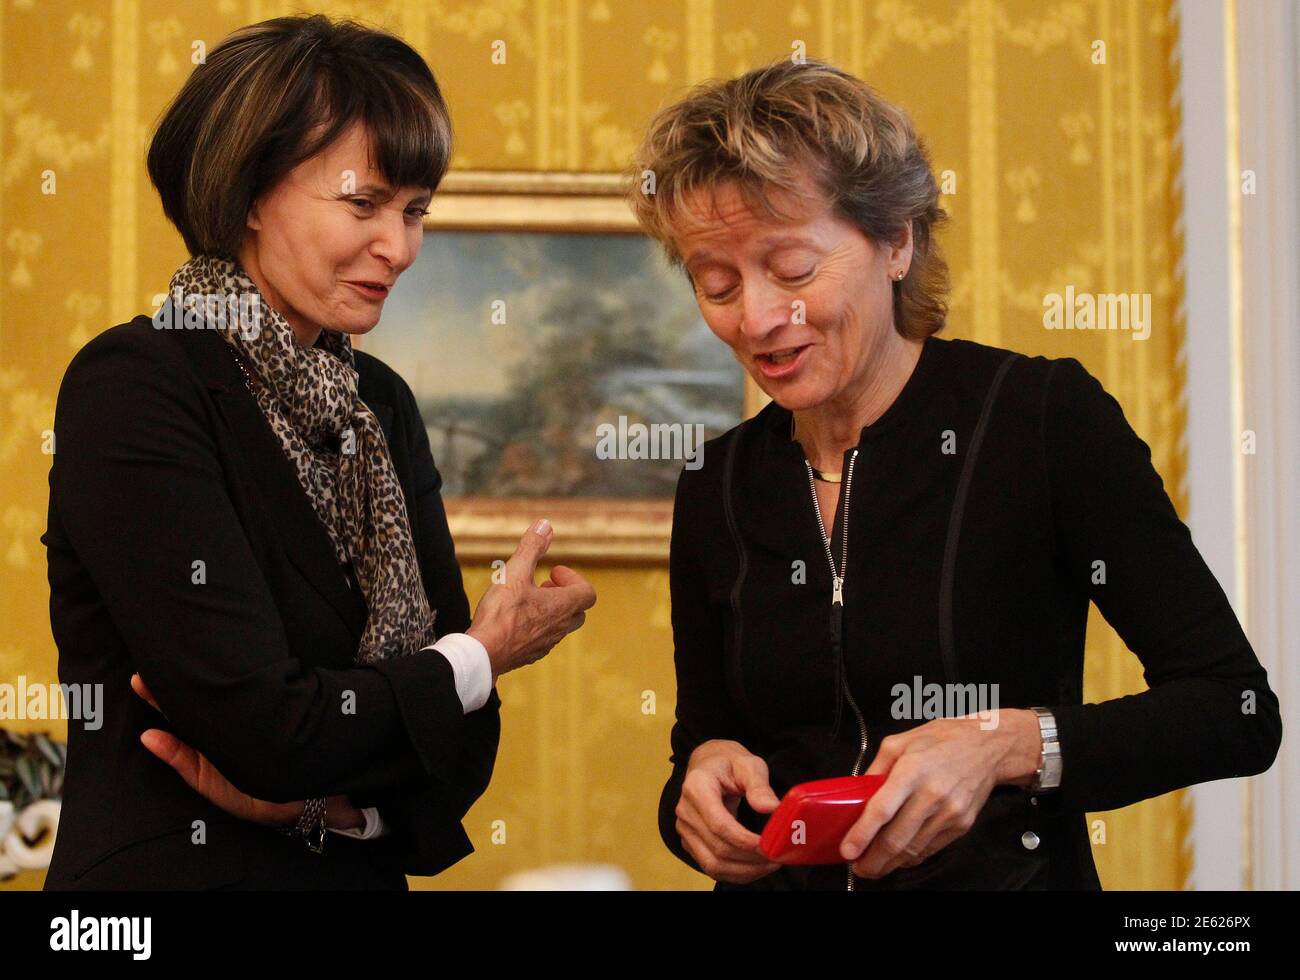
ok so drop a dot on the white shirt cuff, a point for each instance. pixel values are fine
(374, 826)
(471, 666)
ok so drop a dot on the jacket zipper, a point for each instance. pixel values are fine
(837, 603)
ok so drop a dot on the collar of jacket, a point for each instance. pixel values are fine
(302, 534)
(775, 420)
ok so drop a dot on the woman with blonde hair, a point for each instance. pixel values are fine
(908, 516)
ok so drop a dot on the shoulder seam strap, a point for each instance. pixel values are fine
(1062, 676)
(732, 664)
(1042, 426)
(1042, 444)
(954, 526)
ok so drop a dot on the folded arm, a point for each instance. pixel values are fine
(140, 491)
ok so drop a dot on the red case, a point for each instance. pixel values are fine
(827, 809)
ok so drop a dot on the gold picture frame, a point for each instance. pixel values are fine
(601, 529)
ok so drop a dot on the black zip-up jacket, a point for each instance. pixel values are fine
(994, 498)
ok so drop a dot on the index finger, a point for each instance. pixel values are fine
(573, 587)
(880, 809)
(720, 822)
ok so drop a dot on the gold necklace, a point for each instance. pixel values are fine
(820, 474)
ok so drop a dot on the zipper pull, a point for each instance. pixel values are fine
(837, 599)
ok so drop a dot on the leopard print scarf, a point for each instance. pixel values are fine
(309, 397)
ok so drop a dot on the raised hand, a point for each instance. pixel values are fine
(517, 621)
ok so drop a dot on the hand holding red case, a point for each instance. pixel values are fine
(812, 819)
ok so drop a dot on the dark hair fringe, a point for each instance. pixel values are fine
(273, 94)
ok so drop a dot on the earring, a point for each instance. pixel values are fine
(899, 277)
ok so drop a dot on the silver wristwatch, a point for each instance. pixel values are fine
(1048, 776)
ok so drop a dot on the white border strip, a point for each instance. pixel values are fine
(1268, 50)
(1243, 363)
(1217, 809)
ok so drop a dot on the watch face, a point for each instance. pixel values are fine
(1052, 771)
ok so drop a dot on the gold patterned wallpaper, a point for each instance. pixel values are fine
(1052, 124)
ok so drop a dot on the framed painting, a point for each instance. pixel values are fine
(560, 364)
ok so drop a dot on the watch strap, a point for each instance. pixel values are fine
(1048, 776)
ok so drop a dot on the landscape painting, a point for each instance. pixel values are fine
(527, 350)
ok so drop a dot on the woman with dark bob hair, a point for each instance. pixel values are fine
(247, 545)
(887, 570)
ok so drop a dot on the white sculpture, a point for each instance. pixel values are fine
(15, 854)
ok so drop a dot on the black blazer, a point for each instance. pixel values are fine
(182, 546)
(977, 506)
